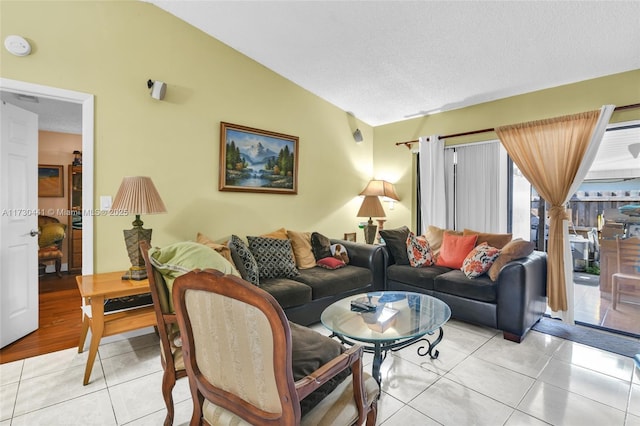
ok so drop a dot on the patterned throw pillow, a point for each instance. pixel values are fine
(273, 256)
(244, 260)
(419, 251)
(339, 252)
(479, 260)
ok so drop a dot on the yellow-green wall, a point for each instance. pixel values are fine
(398, 161)
(111, 48)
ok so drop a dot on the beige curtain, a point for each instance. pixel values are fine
(549, 153)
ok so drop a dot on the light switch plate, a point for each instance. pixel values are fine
(105, 202)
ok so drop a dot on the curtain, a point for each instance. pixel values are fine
(432, 195)
(551, 154)
(478, 187)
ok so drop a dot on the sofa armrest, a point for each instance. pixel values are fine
(521, 294)
(372, 257)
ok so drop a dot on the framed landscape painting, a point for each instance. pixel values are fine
(50, 181)
(254, 160)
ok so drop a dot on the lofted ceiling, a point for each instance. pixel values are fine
(387, 61)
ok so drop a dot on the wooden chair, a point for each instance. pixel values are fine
(626, 279)
(238, 353)
(170, 353)
(50, 238)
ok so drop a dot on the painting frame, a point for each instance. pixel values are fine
(350, 236)
(274, 157)
(50, 180)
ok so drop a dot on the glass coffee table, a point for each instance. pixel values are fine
(392, 320)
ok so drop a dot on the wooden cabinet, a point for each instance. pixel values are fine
(74, 234)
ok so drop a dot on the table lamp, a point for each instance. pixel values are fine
(371, 207)
(137, 195)
(384, 189)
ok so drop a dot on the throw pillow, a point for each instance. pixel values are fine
(301, 244)
(330, 263)
(339, 252)
(280, 234)
(513, 250)
(454, 250)
(479, 260)
(396, 241)
(179, 258)
(222, 249)
(320, 245)
(311, 350)
(418, 251)
(50, 234)
(273, 256)
(434, 235)
(244, 260)
(494, 240)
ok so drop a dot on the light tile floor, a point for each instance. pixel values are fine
(479, 379)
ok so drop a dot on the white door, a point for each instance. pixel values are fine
(18, 223)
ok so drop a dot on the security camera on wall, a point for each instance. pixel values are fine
(158, 89)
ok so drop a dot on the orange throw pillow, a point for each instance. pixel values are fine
(455, 249)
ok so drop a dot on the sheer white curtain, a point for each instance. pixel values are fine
(478, 184)
(432, 183)
(568, 316)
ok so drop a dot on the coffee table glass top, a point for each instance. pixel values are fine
(397, 315)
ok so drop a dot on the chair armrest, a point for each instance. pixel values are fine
(350, 358)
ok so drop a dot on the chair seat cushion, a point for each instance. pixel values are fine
(49, 253)
(338, 408)
(310, 350)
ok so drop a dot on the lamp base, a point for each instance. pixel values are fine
(370, 232)
(135, 274)
(132, 239)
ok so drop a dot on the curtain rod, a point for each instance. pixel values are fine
(475, 132)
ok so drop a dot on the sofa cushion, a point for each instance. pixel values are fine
(479, 260)
(340, 252)
(434, 235)
(396, 241)
(301, 244)
(287, 292)
(418, 251)
(325, 282)
(455, 282)
(417, 277)
(455, 249)
(280, 234)
(309, 351)
(330, 263)
(515, 249)
(222, 249)
(320, 245)
(244, 260)
(273, 256)
(494, 240)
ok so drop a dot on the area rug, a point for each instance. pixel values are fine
(625, 346)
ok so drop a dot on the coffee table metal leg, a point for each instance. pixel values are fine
(430, 346)
(377, 361)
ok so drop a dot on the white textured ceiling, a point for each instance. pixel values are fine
(53, 115)
(387, 61)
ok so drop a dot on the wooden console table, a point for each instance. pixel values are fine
(97, 288)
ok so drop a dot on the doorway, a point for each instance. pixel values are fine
(28, 96)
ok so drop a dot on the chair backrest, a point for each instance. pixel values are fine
(237, 348)
(628, 255)
(166, 320)
(53, 236)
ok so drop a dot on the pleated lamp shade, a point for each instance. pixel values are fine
(371, 207)
(381, 188)
(138, 195)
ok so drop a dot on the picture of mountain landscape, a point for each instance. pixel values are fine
(257, 161)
